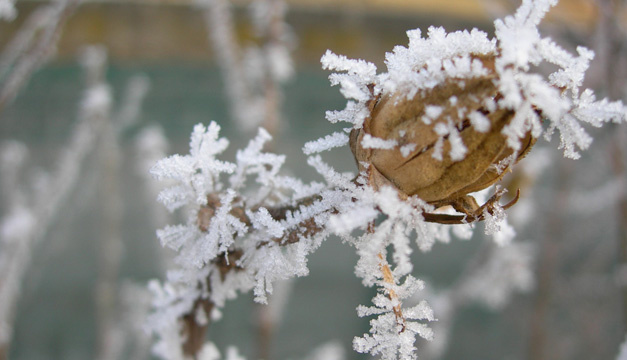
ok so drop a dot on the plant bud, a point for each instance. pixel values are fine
(448, 140)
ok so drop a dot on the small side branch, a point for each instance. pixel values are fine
(388, 278)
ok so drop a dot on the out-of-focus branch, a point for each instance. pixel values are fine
(608, 70)
(32, 47)
(194, 329)
(28, 223)
(277, 65)
(611, 59)
(252, 77)
(109, 340)
(547, 272)
(270, 317)
(619, 157)
(219, 20)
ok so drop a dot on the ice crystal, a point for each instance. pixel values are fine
(390, 336)
(328, 142)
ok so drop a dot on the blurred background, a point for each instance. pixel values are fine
(94, 92)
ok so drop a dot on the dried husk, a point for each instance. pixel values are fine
(394, 117)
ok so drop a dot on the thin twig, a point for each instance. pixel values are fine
(34, 57)
(388, 278)
(219, 20)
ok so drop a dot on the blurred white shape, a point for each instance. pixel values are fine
(331, 350)
(7, 10)
(509, 269)
(622, 351)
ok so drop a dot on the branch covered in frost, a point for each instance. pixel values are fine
(253, 75)
(32, 46)
(391, 337)
(248, 227)
(29, 218)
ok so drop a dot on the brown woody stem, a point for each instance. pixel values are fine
(195, 332)
(388, 277)
(477, 215)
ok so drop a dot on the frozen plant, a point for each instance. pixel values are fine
(452, 113)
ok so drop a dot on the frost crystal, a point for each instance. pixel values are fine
(197, 173)
(334, 140)
(390, 336)
(371, 142)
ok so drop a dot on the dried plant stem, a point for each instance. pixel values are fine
(271, 117)
(194, 331)
(265, 332)
(388, 278)
(273, 36)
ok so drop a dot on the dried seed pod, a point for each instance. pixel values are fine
(448, 139)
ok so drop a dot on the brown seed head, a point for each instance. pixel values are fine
(412, 166)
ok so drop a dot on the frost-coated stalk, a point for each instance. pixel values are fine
(23, 38)
(150, 146)
(388, 278)
(276, 60)
(27, 52)
(110, 246)
(219, 22)
(109, 343)
(28, 223)
(252, 75)
(452, 113)
(275, 66)
(110, 332)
